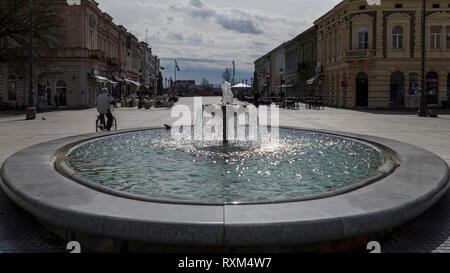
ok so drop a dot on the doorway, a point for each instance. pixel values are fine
(432, 86)
(61, 91)
(362, 90)
(397, 90)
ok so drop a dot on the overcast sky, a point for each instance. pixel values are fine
(205, 36)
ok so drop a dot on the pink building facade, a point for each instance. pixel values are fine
(93, 53)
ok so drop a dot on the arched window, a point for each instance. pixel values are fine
(363, 38)
(12, 88)
(397, 37)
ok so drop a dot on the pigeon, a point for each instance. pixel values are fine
(167, 127)
(44, 118)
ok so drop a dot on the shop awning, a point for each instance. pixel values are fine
(118, 79)
(241, 85)
(132, 82)
(311, 81)
(101, 79)
(286, 86)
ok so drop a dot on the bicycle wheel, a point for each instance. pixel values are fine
(114, 126)
(97, 125)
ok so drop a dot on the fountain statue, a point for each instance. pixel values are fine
(227, 94)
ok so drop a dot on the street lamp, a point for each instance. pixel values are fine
(281, 80)
(423, 97)
(31, 110)
(140, 89)
(267, 85)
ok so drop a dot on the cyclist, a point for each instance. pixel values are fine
(104, 102)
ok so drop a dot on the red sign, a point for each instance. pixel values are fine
(344, 84)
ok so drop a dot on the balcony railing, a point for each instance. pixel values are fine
(359, 54)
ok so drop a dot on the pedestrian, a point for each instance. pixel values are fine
(57, 102)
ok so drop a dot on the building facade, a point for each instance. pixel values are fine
(370, 55)
(294, 63)
(93, 53)
(301, 61)
(262, 75)
(269, 70)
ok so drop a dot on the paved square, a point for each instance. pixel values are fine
(19, 232)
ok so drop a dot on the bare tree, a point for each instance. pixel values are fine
(14, 31)
(227, 74)
(205, 82)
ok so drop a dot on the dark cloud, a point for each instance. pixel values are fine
(201, 13)
(235, 20)
(240, 25)
(197, 3)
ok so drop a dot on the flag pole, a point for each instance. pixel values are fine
(175, 83)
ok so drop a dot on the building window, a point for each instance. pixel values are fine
(436, 6)
(447, 35)
(398, 6)
(435, 40)
(397, 37)
(363, 38)
(12, 88)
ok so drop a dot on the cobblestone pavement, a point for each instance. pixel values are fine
(19, 232)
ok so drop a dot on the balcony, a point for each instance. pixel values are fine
(359, 54)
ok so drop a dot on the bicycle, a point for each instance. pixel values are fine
(101, 127)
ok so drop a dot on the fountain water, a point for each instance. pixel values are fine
(228, 120)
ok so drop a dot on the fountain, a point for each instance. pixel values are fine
(228, 120)
(231, 184)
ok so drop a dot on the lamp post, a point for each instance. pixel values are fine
(31, 110)
(267, 85)
(140, 89)
(423, 97)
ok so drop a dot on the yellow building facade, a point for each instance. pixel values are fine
(370, 55)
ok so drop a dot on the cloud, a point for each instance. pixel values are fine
(239, 22)
(207, 35)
